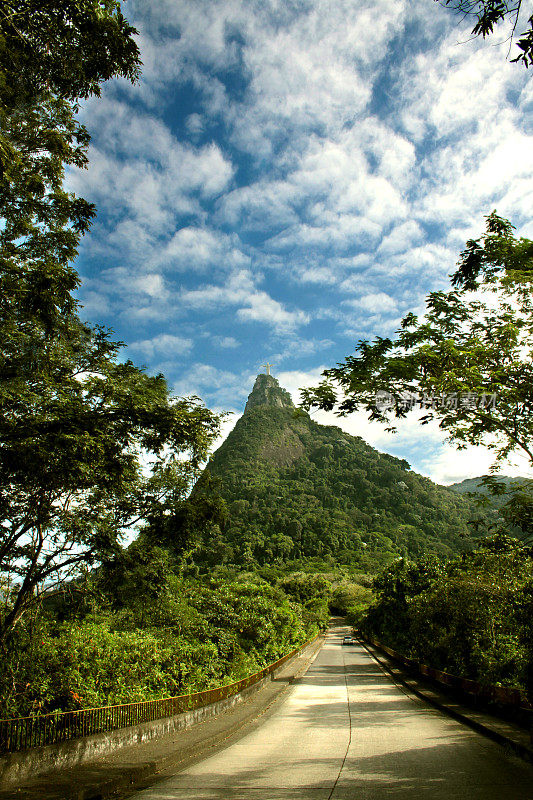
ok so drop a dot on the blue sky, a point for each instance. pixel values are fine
(289, 177)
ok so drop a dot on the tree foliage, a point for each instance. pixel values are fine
(74, 432)
(75, 421)
(471, 616)
(51, 55)
(489, 14)
(468, 361)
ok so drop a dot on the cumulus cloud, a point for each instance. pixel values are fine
(133, 296)
(253, 304)
(197, 248)
(375, 303)
(401, 238)
(262, 308)
(164, 345)
(226, 342)
(220, 388)
(143, 179)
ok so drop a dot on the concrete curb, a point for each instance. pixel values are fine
(504, 733)
(132, 767)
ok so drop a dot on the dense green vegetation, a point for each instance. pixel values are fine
(139, 628)
(471, 616)
(297, 489)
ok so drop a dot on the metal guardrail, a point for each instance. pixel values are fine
(22, 733)
(502, 695)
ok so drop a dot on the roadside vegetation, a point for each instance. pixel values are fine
(98, 647)
(471, 616)
(145, 626)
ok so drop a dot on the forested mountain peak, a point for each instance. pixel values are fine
(268, 392)
(296, 489)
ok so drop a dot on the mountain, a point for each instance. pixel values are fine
(475, 486)
(496, 508)
(297, 489)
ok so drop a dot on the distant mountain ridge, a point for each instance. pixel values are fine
(295, 489)
(475, 486)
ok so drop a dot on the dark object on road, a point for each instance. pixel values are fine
(348, 640)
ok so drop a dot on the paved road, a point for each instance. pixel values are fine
(345, 731)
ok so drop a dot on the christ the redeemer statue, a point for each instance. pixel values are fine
(267, 366)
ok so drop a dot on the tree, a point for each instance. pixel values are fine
(470, 616)
(74, 433)
(51, 55)
(75, 422)
(489, 14)
(66, 46)
(467, 362)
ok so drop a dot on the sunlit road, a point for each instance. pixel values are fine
(345, 730)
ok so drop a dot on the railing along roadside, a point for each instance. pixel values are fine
(22, 733)
(504, 697)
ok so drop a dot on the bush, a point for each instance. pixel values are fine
(472, 616)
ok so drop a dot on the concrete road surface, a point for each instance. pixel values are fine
(345, 730)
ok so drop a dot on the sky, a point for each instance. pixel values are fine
(289, 177)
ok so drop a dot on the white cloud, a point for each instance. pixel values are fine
(331, 197)
(195, 248)
(310, 72)
(296, 347)
(336, 231)
(401, 238)
(135, 148)
(449, 465)
(94, 305)
(263, 308)
(219, 388)
(195, 124)
(123, 293)
(481, 153)
(262, 206)
(309, 274)
(255, 305)
(151, 284)
(375, 303)
(163, 345)
(144, 179)
(237, 289)
(226, 342)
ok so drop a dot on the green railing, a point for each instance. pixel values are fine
(22, 733)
